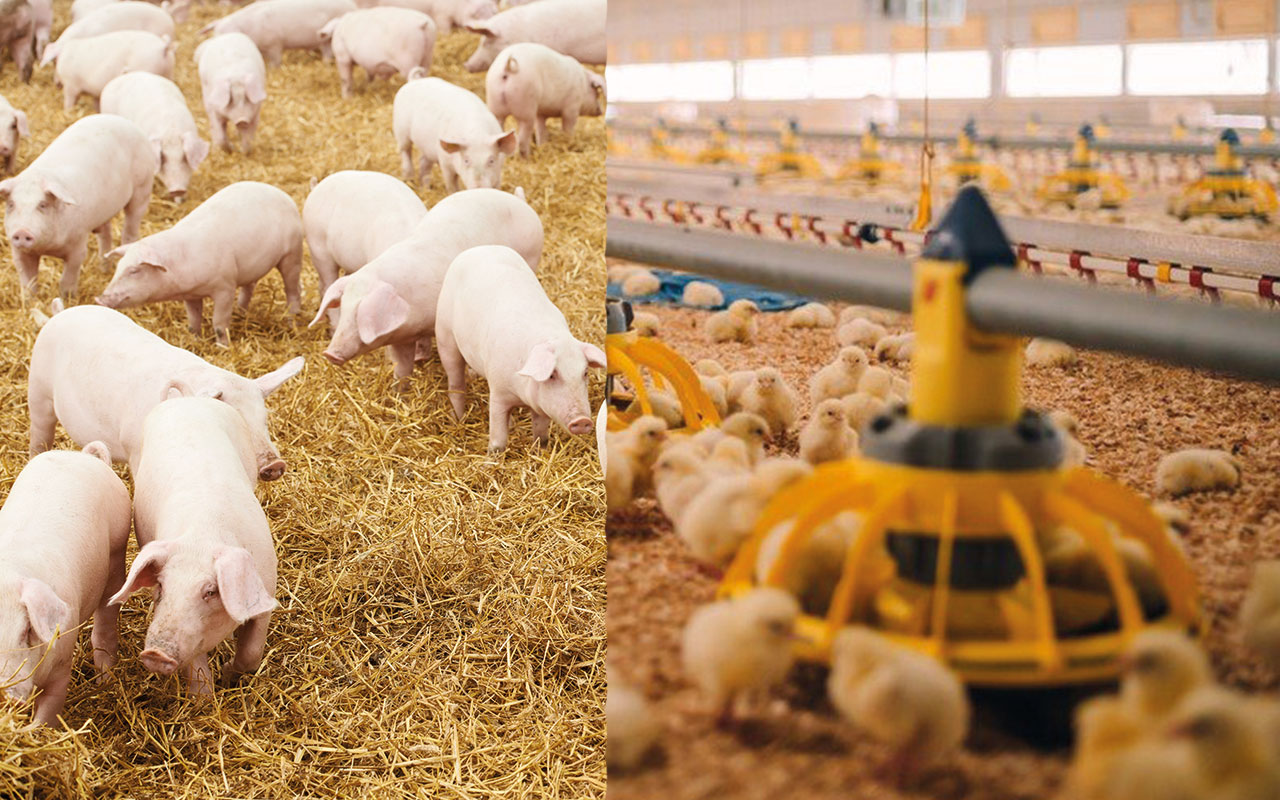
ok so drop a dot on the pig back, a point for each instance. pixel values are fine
(476, 217)
(101, 159)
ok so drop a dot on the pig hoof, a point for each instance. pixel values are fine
(223, 339)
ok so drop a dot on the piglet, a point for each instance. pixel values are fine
(98, 166)
(573, 27)
(13, 126)
(129, 15)
(98, 373)
(452, 127)
(352, 217)
(279, 25)
(448, 14)
(205, 543)
(391, 301)
(233, 80)
(87, 65)
(156, 105)
(494, 317)
(228, 242)
(532, 82)
(63, 533)
(382, 41)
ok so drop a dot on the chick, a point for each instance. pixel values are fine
(1048, 353)
(750, 428)
(879, 316)
(702, 295)
(1175, 519)
(877, 381)
(678, 477)
(1106, 729)
(1197, 470)
(896, 348)
(641, 282)
(769, 396)
(860, 407)
(1161, 668)
(811, 315)
(1260, 613)
(860, 332)
(816, 569)
(828, 437)
(633, 729)
(619, 481)
(739, 646)
(1065, 420)
(735, 324)
(1230, 746)
(721, 517)
(735, 383)
(729, 456)
(709, 367)
(631, 453)
(1069, 561)
(715, 392)
(664, 404)
(904, 699)
(840, 377)
(1146, 771)
(617, 273)
(645, 323)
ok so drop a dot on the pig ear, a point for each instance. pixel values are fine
(476, 27)
(220, 93)
(58, 191)
(506, 142)
(195, 149)
(47, 612)
(326, 33)
(450, 147)
(253, 89)
(142, 573)
(271, 381)
(239, 585)
(332, 297)
(380, 312)
(6, 186)
(21, 116)
(115, 255)
(595, 356)
(512, 66)
(596, 80)
(540, 363)
(176, 388)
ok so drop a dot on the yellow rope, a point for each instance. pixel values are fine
(924, 208)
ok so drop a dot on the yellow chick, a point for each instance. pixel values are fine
(645, 323)
(1049, 353)
(701, 294)
(630, 453)
(860, 332)
(750, 428)
(1149, 770)
(769, 396)
(665, 405)
(879, 316)
(811, 315)
(678, 477)
(1175, 518)
(738, 646)
(1106, 729)
(876, 381)
(633, 730)
(737, 323)
(641, 282)
(1260, 613)
(896, 348)
(1197, 470)
(715, 392)
(721, 517)
(828, 437)
(1161, 668)
(619, 481)
(904, 699)
(709, 367)
(729, 456)
(1231, 751)
(840, 377)
(861, 407)
(813, 575)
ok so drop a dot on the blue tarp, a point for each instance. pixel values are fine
(673, 284)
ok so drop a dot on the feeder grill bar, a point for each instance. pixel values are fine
(1202, 336)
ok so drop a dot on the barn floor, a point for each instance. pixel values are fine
(1131, 412)
(441, 625)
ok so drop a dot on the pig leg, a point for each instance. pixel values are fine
(540, 131)
(327, 271)
(406, 161)
(21, 50)
(290, 268)
(223, 302)
(135, 211)
(104, 244)
(199, 678)
(422, 349)
(541, 427)
(195, 315)
(247, 133)
(52, 697)
(455, 368)
(251, 642)
(43, 418)
(76, 255)
(450, 176)
(246, 294)
(70, 93)
(524, 132)
(106, 619)
(218, 128)
(568, 119)
(326, 52)
(344, 75)
(499, 422)
(274, 55)
(424, 170)
(28, 265)
(11, 164)
(401, 355)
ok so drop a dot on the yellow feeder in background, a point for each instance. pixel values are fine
(627, 353)
(789, 158)
(967, 167)
(1082, 175)
(960, 497)
(718, 151)
(1225, 190)
(660, 144)
(870, 165)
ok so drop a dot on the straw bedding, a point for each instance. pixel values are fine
(440, 631)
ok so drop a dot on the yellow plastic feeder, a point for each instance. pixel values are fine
(789, 159)
(1082, 175)
(870, 166)
(1226, 190)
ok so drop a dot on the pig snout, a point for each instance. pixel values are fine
(177, 195)
(580, 426)
(22, 239)
(334, 358)
(156, 660)
(272, 470)
(242, 123)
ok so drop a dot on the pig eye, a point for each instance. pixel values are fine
(43, 205)
(210, 592)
